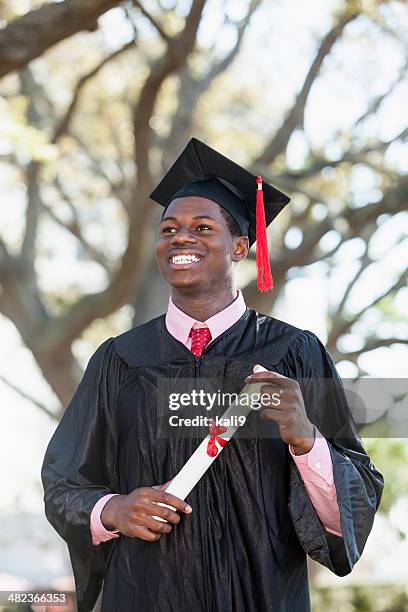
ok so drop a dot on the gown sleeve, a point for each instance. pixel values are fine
(79, 468)
(359, 484)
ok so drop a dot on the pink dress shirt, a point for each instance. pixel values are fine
(315, 467)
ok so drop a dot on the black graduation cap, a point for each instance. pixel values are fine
(201, 171)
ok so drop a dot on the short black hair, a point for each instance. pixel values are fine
(231, 223)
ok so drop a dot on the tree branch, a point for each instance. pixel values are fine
(191, 88)
(153, 21)
(61, 331)
(358, 219)
(32, 171)
(342, 326)
(295, 116)
(350, 156)
(178, 51)
(364, 263)
(74, 229)
(376, 103)
(6, 260)
(222, 65)
(29, 36)
(116, 189)
(29, 398)
(19, 300)
(371, 345)
(63, 125)
(34, 205)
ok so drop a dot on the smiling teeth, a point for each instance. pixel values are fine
(184, 259)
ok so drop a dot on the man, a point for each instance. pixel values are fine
(296, 481)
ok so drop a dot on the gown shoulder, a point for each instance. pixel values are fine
(134, 345)
(297, 344)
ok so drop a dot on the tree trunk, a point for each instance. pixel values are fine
(62, 372)
(29, 36)
(152, 301)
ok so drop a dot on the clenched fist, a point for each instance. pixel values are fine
(133, 514)
(288, 411)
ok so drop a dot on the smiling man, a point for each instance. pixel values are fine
(296, 481)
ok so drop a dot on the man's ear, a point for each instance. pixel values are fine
(241, 248)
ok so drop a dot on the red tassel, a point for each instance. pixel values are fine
(265, 280)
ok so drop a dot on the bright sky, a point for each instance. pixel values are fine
(287, 26)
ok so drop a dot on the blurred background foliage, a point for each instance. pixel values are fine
(383, 598)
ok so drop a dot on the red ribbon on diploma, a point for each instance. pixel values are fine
(215, 430)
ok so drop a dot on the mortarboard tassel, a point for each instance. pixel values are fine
(265, 280)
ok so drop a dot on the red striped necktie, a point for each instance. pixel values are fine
(200, 337)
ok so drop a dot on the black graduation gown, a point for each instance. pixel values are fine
(243, 549)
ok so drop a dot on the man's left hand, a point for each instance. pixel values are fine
(282, 401)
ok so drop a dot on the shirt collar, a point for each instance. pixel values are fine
(179, 323)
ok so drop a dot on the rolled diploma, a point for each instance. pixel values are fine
(195, 468)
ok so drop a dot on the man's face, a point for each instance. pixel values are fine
(195, 248)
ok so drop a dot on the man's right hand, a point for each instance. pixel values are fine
(133, 514)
